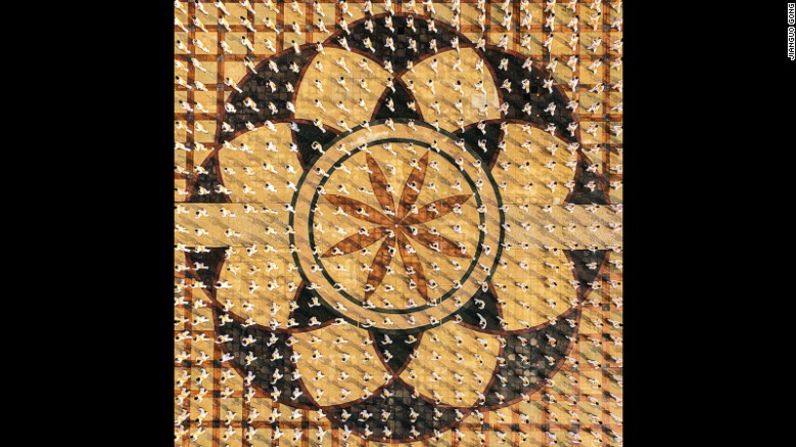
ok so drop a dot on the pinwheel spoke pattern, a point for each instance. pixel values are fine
(397, 226)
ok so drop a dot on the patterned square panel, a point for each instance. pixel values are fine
(398, 222)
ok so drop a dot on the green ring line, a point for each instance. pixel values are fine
(449, 135)
(470, 268)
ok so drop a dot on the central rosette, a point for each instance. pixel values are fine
(396, 229)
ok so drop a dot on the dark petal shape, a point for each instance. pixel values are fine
(443, 206)
(305, 310)
(473, 134)
(380, 263)
(307, 134)
(379, 183)
(581, 259)
(399, 349)
(413, 261)
(409, 195)
(446, 246)
(351, 206)
(400, 98)
(356, 242)
(491, 311)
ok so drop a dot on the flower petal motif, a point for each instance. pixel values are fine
(412, 261)
(250, 283)
(339, 377)
(412, 187)
(438, 243)
(358, 210)
(247, 173)
(529, 290)
(441, 207)
(472, 100)
(379, 266)
(256, 176)
(355, 242)
(380, 185)
(533, 153)
(440, 358)
(533, 284)
(307, 92)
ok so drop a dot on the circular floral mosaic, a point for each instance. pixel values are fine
(424, 229)
(393, 227)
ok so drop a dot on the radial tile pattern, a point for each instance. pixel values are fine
(363, 256)
(411, 274)
(389, 194)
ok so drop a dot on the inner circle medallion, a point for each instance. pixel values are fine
(397, 225)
